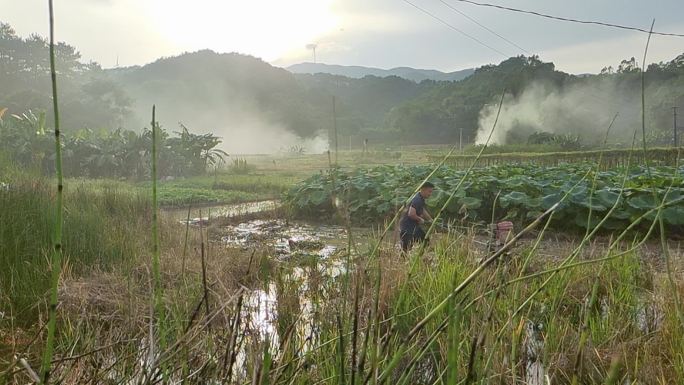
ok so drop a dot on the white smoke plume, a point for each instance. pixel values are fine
(584, 109)
(243, 127)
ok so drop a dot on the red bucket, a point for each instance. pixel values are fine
(503, 231)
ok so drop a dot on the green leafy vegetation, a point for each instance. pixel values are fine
(181, 196)
(103, 153)
(515, 192)
(222, 188)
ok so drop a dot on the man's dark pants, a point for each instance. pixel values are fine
(410, 237)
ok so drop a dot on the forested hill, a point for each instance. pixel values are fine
(229, 94)
(87, 100)
(442, 112)
(209, 91)
(246, 100)
(361, 104)
(576, 110)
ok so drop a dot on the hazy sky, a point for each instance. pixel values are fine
(380, 33)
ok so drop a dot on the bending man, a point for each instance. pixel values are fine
(416, 214)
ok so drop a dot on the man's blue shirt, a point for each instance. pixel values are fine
(407, 224)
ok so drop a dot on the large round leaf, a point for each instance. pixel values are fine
(550, 200)
(515, 198)
(642, 202)
(607, 197)
(673, 215)
(471, 203)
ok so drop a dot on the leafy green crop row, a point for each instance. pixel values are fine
(514, 192)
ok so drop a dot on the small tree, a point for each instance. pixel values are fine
(198, 150)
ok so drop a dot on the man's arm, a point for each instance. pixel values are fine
(426, 215)
(413, 215)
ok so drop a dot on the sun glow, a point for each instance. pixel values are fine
(265, 28)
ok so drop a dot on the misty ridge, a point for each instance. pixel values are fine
(239, 98)
(546, 106)
(245, 124)
(258, 108)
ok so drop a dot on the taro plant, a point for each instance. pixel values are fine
(524, 192)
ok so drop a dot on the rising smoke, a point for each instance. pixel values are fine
(243, 127)
(584, 109)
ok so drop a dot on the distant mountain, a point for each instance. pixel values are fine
(219, 92)
(358, 72)
(241, 97)
(256, 107)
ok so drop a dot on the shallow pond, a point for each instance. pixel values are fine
(203, 213)
(316, 256)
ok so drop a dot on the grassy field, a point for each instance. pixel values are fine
(574, 309)
(224, 188)
(497, 327)
(265, 178)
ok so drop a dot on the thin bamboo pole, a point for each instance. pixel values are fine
(56, 260)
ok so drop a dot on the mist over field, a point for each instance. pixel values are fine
(583, 109)
(243, 127)
(253, 107)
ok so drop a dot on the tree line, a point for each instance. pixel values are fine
(211, 92)
(449, 110)
(99, 153)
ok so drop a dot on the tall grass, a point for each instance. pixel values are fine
(439, 317)
(665, 249)
(102, 228)
(460, 341)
